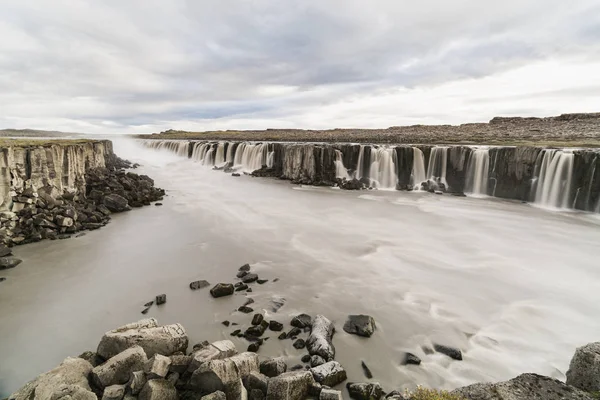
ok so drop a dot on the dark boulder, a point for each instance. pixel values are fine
(275, 326)
(299, 344)
(451, 352)
(161, 299)
(257, 319)
(362, 325)
(366, 370)
(301, 321)
(9, 262)
(262, 281)
(199, 285)
(241, 274)
(245, 267)
(245, 309)
(221, 290)
(365, 391)
(241, 287)
(411, 359)
(116, 203)
(249, 278)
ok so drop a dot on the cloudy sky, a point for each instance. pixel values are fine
(123, 66)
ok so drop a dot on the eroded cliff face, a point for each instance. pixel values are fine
(48, 169)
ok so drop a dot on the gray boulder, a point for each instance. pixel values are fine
(273, 367)
(116, 203)
(361, 325)
(214, 351)
(329, 374)
(218, 395)
(69, 378)
(154, 339)
(290, 386)
(315, 361)
(255, 394)
(9, 262)
(256, 381)
(158, 389)
(523, 387)
(218, 375)
(180, 363)
(117, 370)
(451, 352)
(157, 367)
(301, 321)
(320, 340)
(330, 394)
(584, 370)
(137, 381)
(114, 392)
(365, 391)
(246, 363)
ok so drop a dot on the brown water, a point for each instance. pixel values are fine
(515, 287)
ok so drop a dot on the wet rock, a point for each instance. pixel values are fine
(395, 395)
(299, 344)
(245, 309)
(305, 358)
(145, 310)
(180, 363)
(157, 367)
(320, 340)
(214, 351)
(72, 370)
(273, 367)
(158, 389)
(301, 321)
(158, 204)
(365, 391)
(362, 325)
(250, 278)
(366, 370)
(257, 319)
(262, 281)
(451, 352)
(276, 303)
(2, 279)
(221, 290)
(275, 326)
(137, 381)
(161, 299)
(226, 323)
(116, 203)
(293, 333)
(5, 251)
(249, 290)
(235, 174)
(411, 359)
(297, 367)
(330, 394)
(9, 262)
(245, 267)
(282, 336)
(329, 374)
(117, 370)
(256, 381)
(218, 375)
(316, 360)
(114, 392)
(146, 333)
(523, 387)
(253, 347)
(584, 370)
(236, 332)
(173, 378)
(241, 287)
(241, 274)
(64, 221)
(199, 285)
(257, 330)
(290, 386)
(218, 395)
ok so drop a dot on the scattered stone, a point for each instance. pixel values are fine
(161, 299)
(451, 352)
(294, 332)
(316, 360)
(584, 370)
(330, 394)
(282, 336)
(275, 326)
(145, 310)
(199, 285)
(361, 325)
(411, 359)
(158, 204)
(117, 370)
(245, 309)
(290, 386)
(365, 391)
(235, 174)
(9, 262)
(249, 290)
(116, 203)
(226, 323)
(329, 374)
(221, 290)
(157, 367)
(173, 377)
(301, 321)
(236, 332)
(148, 304)
(273, 367)
(241, 287)
(5, 251)
(262, 281)
(241, 274)
(257, 330)
(299, 344)
(249, 278)
(257, 319)
(366, 370)
(245, 267)
(137, 381)
(158, 389)
(114, 392)
(256, 394)
(320, 340)
(305, 358)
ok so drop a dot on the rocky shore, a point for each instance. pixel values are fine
(144, 360)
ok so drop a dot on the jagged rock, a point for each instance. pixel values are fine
(245, 309)
(245, 267)
(282, 336)
(236, 332)
(199, 285)
(257, 319)
(221, 290)
(293, 333)
(256, 381)
(320, 340)
(330, 394)
(69, 378)
(273, 367)
(257, 330)
(451, 352)
(290, 386)
(114, 392)
(365, 391)
(366, 370)
(218, 395)
(246, 363)
(180, 363)
(217, 375)
(362, 325)
(275, 326)
(584, 370)
(161, 299)
(9, 262)
(241, 286)
(301, 321)
(64, 221)
(253, 347)
(137, 381)
(117, 370)
(316, 360)
(92, 358)
(329, 374)
(249, 278)
(157, 367)
(146, 333)
(305, 358)
(214, 351)
(116, 203)
(411, 359)
(523, 387)
(299, 344)
(158, 389)
(262, 281)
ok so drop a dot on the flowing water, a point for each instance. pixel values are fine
(438, 162)
(383, 168)
(514, 286)
(554, 179)
(418, 174)
(478, 172)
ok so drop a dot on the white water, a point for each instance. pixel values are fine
(230, 153)
(478, 172)
(438, 163)
(251, 156)
(554, 180)
(179, 147)
(340, 171)
(359, 173)
(383, 174)
(220, 156)
(418, 174)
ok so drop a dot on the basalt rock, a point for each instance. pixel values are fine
(290, 386)
(365, 391)
(451, 352)
(584, 370)
(301, 321)
(329, 374)
(362, 325)
(320, 339)
(221, 290)
(118, 369)
(273, 367)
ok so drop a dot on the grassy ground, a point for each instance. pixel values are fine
(42, 142)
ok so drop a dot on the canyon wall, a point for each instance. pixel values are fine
(560, 178)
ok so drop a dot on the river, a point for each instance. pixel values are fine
(516, 287)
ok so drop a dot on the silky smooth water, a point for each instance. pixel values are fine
(516, 287)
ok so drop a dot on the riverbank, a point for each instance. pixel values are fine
(567, 130)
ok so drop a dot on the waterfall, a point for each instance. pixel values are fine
(383, 174)
(230, 153)
(554, 179)
(251, 156)
(179, 147)
(220, 155)
(438, 162)
(589, 189)
(270, 159)
(418, 174)
(477, 172)
(340, 170)
(359, 172)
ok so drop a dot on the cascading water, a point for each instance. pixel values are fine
(270, 159)
(554, 179)
(179, 147)
(220, 154)
(478, 171)
(340, 171)
(438, 162)
(250, 157)
(383, 174)
(359, 173)
(418, 174)
(230, 154)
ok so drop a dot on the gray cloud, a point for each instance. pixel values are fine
(115, 66)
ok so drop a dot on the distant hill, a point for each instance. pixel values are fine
(36, 133)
